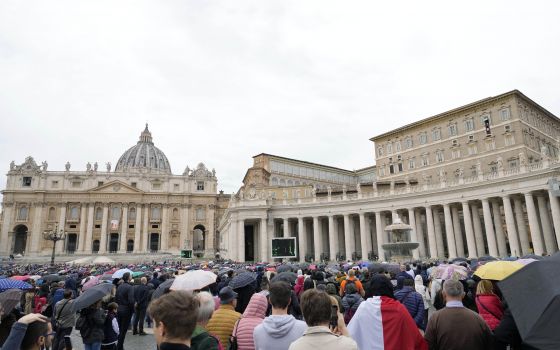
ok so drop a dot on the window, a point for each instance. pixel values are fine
(425, 160)
(455, 153)
(400, 167)
(507, 128)
(389, 148)
(509, 140)
(436, 134)
(130, 226)
(98, 214)
(490, 145)
(411, 164)
(486, 123)
(471, 138)
(469, 124)
(52, 214)
(472, 150)
(408, 142)
(454, 143)
(100, 183)
(453, 129)
(22, 213)
(132, 214)
(379, 153)
(54, 184)
(133, 184)
(439, 156)
(115, 212)
(391, 169)
(423, 138)
(493, 167)
(74, 213)
(156, 186)
(513, 163)
(76, 184)
(200, 185)
(504, 114)
(26, 181)
(156, 213)
(200, 214)
(175, 214)
(398, 146)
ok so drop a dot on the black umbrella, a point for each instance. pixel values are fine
(284, 268)
(287, 276)
(459, 260)
(533, 256)
(487, 258)
(535, 308)
(9, 299)
(92, 295)
(242, 280)
(52, 278)
(162, 288)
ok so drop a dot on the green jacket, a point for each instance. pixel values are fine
(202, 340)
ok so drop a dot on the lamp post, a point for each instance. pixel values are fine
(54, 235)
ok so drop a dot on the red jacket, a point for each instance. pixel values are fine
(490, 308)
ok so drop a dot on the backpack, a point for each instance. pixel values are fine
(348, 314)
(81, 322)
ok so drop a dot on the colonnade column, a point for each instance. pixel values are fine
(348, 237)
(459, 243)
(431, 233)
(379, 231)
(302, 239)
(82, 237)
(471, 244)
(124, 228)
(555, 209)
(61, 226)
(536, 236)
(439, 233)
(36, 233)
(241, 240)
(89, 229)
(549, 241)
(286, 228)
(420, 234)
(164, 229)
(363, 236)
(317, 241)
(511, 228)
(103, 241)
(146, 211)
(8, 209)
(449, 232)
(489, 227)
(264, 239)
(477, 225)
(137, 227)
(232, 240)
(521, 226)
(413, 235)
(333, 239)
(500, 237)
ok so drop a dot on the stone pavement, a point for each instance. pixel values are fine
(131, 342)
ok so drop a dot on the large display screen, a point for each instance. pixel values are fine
(284, 247)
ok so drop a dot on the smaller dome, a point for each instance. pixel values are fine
(144, 157)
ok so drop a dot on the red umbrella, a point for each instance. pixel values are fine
(21, 278)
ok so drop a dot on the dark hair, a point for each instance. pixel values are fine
(126, 276)
(316, 307)
(379, 285)
(280, 294)
(308, 284)
(34, 331)
(408, 282)
(67, 294)
(112, 306)
(178, 311)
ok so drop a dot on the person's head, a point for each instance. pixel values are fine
(228, 296)
(174, 316)
(453, 290)
(280, 295)
(316, 307)
(38, 335)
(408, 282)
(126, 276)
(331, 289)
(144, 280)
(418, 280)
(351, 273)
(308, 284)
(205, 308)
(230, 274)
(484, 287)
(350, 288)
(155, 275)
(403, 267)
(112, 307)
(380, 285)
(67, 294)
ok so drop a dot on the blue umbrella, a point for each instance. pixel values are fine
(8, 283)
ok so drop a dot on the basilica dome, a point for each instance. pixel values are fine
(144, 157)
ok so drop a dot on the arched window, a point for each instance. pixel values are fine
(132, 214)
(115, 212)
(74, 213)
(22, 213)
(98, 214)
(175, 214)
(52, 214)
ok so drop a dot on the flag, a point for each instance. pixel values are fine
(382, 323)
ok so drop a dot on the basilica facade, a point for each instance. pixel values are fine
(139, 207)
(481, 179)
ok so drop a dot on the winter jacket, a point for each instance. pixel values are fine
(252, 317)
(64, 314)
(413, 303)
(490, 308)
(202, 340)
(93, 330)
(111, 329)
(16, 336)
(222, 322)
(277, 332)
(421, 289)
(125, 297)
(40, 302)
(322, 338)
(298, 288)
(350, 303)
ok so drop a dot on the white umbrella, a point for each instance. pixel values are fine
(103, 260)
(121, 272)
(193, 280)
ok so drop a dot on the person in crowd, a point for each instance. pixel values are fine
(111, 328)
(154, 281)
(469, 301)
(382, 318)
(223, 320)
(456, 327)
(40, 301)
(174, 316)
(280, 329)
(64, 319)
(403, 272)
(201, 339)
(506, 334)
(30, 332)
(125, 299)
(141, 293)
(413, 302)
(410, 271)
(350, 302)
(29, 296)
(71, 284)
(92, 329)
(436, 296)
(317, 312)
(298, 288)
(488, 304)
(331, 290)
(351, 279)
(253, 316)
(421, 289)
(244, 295)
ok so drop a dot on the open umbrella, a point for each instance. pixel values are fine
(162, 289)
(487, 258)
(284, 268)
(9, 299)
(450, 272)
(138, 274)
(21, 278)
(533, 256)
(93, 280)
(242, 280)
(120, 273)
(497, 270)
(52, 278)
(525, 261)
(536, 320)
(92, 295)
(287, 276)
(459, 260)
(8, 283)
(193, 280)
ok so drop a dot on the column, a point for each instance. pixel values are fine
(211, 241)
(82, 237)
(514, 246)
(420, 234)
(145, 229)
(471, 244)
(363, 236)
(549, 240)
(103, 241)
(379, 234)
(184, 237)
(265, 241)
(521, 226)
(61, 226)
(241, 240)
(137, 228)
(333, 239)
(459, 243)
(318, 242)
(431, 233)
(124, 228)
(89, 229)
(413, 235)
(36, 233)
(477, 225)
(489, 227)
(164, 228)
(439, 233)
(449, 231)
(302, 239)
(500, 237)
(555, 209)
(232, 239)
(348, 238)
(6, 226)
(536, 235)
(286, 228)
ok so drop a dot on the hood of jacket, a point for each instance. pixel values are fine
(257, 306)
(278, 326)
(352, 299)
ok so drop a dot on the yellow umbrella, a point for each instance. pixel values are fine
(497, 270)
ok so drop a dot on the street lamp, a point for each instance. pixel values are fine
(55, 235)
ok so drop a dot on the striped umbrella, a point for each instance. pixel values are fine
(450, 272)
(9, 283)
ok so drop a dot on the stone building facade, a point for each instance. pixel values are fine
(481, 179)
(139, 207)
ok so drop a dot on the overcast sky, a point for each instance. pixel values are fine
(222, 81)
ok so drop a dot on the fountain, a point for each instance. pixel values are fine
(400, 246)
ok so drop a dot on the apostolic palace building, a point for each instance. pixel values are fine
(481, 179)
(140, 207)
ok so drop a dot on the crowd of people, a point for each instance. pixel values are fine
(278, 306)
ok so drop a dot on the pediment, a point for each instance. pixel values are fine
(115, 187)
